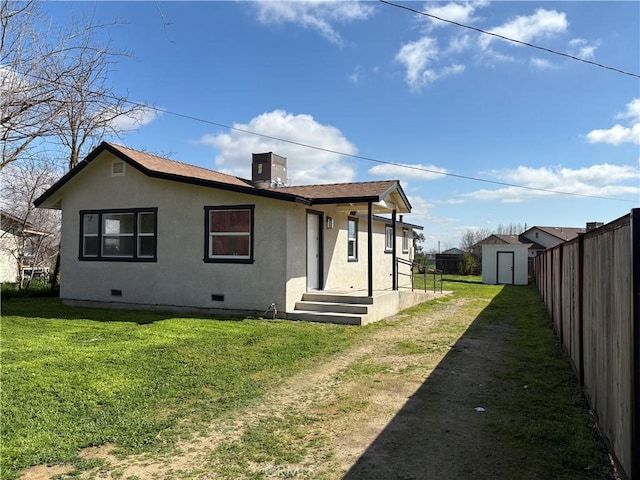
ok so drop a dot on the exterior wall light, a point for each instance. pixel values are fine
(329, 223)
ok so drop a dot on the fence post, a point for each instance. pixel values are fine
(635, 343)
(560, 292)
(581, 309)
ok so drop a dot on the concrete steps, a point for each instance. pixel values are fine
(332, 308)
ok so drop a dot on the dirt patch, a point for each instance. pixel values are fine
(45, 472)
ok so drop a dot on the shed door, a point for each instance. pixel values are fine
(505, 268)
(313, 251)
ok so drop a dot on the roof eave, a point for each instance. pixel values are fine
(41, 201)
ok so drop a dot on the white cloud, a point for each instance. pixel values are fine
(543, 23)
(305, 165)
(408, 171)
(582, 48)
(541, 63)
(316, 15)
(603, 180)
(633, 110)
(136, 119)
(456, 12)
(418, 57)
(620, 133)
(615, 135)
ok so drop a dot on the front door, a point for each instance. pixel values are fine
(505, 268)
(314, 222)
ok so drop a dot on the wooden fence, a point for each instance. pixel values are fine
(591, 287)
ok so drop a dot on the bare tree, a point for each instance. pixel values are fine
(54, 83)
(87, 106)
(25, 87)
(33, 233)
(510, 229)
(471, 238)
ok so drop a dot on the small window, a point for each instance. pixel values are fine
(118, 235)
(405, 240)
(352, 239)
(229, 234)
(388, 238)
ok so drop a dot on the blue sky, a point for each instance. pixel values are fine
(373, 80)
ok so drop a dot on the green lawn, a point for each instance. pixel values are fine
(73, 378)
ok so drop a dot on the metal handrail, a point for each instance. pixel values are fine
(421, 269)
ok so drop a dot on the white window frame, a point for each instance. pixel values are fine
(352, 240)
(405, 240)
(210, 235)
(388, 238)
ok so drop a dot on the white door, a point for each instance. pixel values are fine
(505, 268)
(313, 251)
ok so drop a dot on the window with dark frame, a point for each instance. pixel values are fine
(405, 240)
(388, 238)
(229, 232)
(113, 235)
(352, 239)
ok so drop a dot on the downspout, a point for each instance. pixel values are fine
(370, 248)
(394, 264)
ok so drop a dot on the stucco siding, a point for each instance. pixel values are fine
(543, 238)
(8, 262)
(180, 277)
(344, 274)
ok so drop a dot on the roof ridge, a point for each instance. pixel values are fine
(339, 183)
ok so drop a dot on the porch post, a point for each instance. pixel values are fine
(394, 266)
(370, 247)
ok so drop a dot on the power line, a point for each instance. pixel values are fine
(485, 32)
(382, 162)
(349, 155)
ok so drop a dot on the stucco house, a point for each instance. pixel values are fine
(141, 231)
(19, 241)
(542, 238)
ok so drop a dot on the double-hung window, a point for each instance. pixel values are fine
(352, 239)
(126, 234)
(229, 234)
(405, 240)
(388, 238)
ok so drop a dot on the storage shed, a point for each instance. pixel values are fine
(505, 264)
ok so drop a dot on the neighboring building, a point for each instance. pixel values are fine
(141, 231)
(505, 264)
(449, 261)
(548, 237)
(18, 244)
(506, 251)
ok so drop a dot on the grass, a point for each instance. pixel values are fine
(537, 392)
(73, 378)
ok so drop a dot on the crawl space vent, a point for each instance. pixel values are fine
(117, 169)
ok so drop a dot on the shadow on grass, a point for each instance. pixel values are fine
(52, 308)
(474, 281)
(502, 403)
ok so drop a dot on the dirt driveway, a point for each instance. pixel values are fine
(407, 403)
